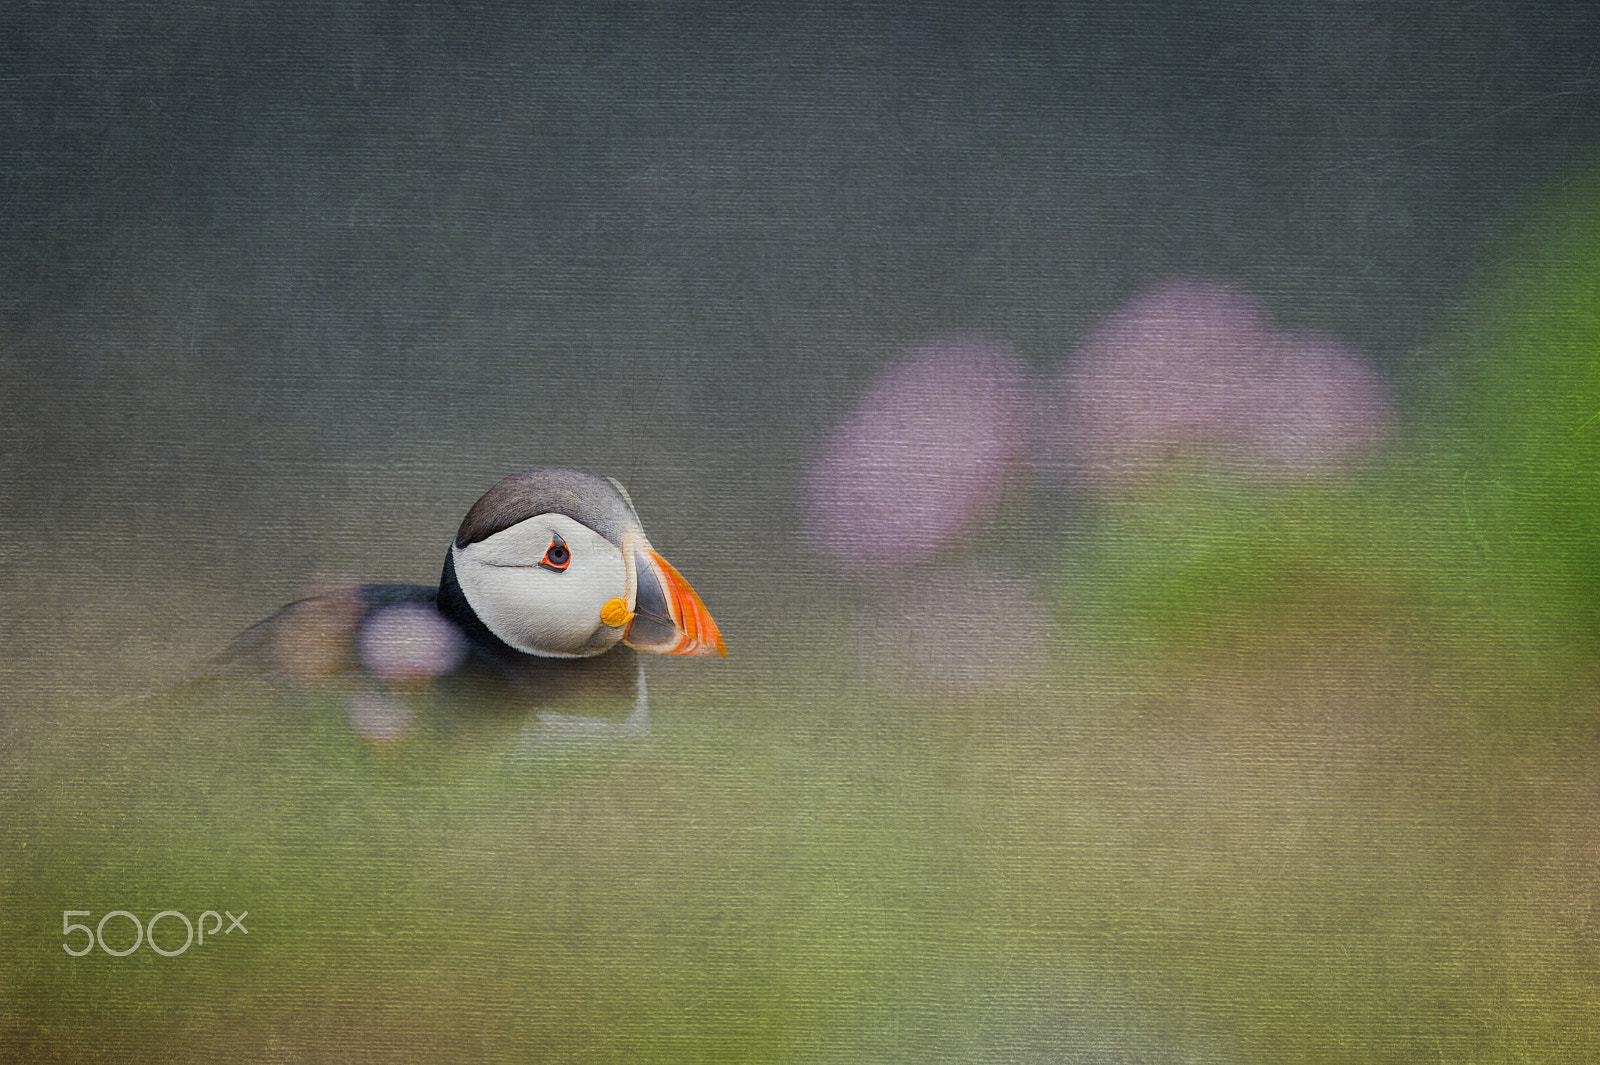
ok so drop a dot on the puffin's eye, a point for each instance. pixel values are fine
(556, 556)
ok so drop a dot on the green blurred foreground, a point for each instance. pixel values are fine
(1303, 855)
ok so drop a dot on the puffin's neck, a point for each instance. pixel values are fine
(453, 605)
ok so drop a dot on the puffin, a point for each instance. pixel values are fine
(550, 589)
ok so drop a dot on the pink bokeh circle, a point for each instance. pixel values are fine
(411, 641)
(926, 454)
(1196, 366)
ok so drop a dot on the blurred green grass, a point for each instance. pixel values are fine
(1476, 533)
(1530, 412)
(1287, 857)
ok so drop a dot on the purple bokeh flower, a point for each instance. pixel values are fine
(1197, 366)
(377, 717)
(410, 642)
(925, 455)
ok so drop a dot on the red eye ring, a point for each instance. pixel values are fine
(557, 556)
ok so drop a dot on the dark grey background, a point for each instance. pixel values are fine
(285, 287)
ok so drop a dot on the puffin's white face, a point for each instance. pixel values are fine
(542, 584)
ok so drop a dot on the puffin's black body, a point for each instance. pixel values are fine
(493, 678)
(593, 538)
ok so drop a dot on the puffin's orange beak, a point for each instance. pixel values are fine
(668, 617)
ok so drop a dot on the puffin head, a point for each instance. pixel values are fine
(554, 562)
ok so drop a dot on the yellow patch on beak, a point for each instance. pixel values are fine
(615, 613)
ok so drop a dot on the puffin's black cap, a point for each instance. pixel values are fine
(593, 501)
